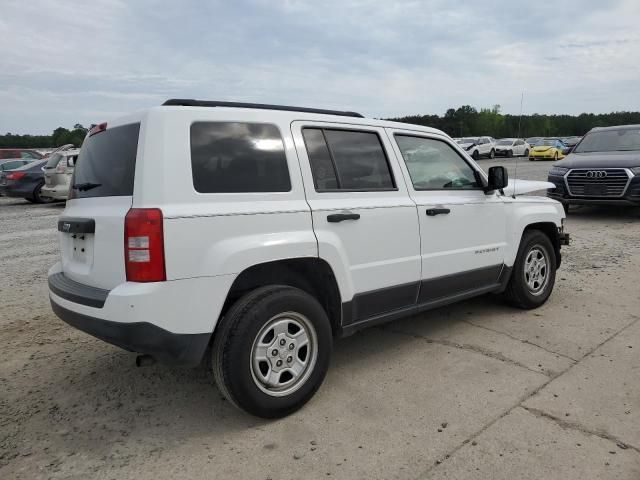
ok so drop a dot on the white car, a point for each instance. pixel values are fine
(478, 147)
(57, 174)
(249, 237)
(512, 147)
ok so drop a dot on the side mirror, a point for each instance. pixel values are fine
(498, 179)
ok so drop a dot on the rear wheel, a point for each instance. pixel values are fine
(526, 153)
(37, 196)
(476, 155)
(492, 154)
(271, 351)
(534, 271)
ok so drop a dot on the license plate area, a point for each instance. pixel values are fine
(600, 190)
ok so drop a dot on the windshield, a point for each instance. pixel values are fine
(505, 142)
(623, 140)
(470, 140)
(550, 143)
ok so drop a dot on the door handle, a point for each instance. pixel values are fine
(339, 217)
(432, 212)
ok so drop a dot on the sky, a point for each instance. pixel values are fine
(64, 62)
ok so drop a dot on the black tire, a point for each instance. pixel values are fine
(235, 337)
(476, 155)
(37, 195)
(510, 153)
(526, 153)
(492, 154)
(518, 292)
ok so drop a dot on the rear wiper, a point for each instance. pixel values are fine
(83, 187)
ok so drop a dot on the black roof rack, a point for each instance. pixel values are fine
(186, 102)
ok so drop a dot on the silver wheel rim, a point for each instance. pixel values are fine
(536, 270)
(284, 354)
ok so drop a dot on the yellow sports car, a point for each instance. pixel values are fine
(547, 149)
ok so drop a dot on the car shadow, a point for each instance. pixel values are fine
(97, 392)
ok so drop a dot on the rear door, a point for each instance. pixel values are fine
(91, 228)
(363, 217)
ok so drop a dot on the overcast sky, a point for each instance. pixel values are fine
(65, 62)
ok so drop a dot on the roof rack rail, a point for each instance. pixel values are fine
(186, 102)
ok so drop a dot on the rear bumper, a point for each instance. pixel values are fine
(18, 190)
(140, 337)
(57, 193)
(173, 321)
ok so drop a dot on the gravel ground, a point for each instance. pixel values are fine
(474, 390)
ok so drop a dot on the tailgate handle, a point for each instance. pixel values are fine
(76, 225)
(432, 212)
(339, 217)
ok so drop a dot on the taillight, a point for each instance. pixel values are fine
(144, 245)
(101, 127)
(16, 175)
(62, 166)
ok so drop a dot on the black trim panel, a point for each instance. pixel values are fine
(76, 225)
(448, 285)
(141, 337)
(77, 292)
(376, 302)
(351, 323)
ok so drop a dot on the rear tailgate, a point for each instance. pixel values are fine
(91, 228)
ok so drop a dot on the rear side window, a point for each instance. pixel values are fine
(234, 157)
(106, 163)
(12, 165)
(347, 160)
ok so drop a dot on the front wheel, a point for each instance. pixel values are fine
(476, 155)
(534, 272)
(271, 351)
(510, 153)
(492, 154)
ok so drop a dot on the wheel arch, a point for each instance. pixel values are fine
(310, 274)
(550, 230)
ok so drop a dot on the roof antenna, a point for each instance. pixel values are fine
(515, 174)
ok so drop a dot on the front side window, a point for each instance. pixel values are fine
(434, 165)
(347, 160)
(235, 157)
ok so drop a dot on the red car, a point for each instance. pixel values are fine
(25, 153)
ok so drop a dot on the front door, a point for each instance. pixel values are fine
(363, 217)
(462, 230)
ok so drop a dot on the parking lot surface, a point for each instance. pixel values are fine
(473, 390)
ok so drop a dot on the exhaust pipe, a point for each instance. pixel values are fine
(145, 360)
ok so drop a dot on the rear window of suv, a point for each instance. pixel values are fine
(234, 157)
(106, 164)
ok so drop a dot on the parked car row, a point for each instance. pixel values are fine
(37, 179)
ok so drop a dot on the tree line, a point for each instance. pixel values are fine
(60, 136)
(466, 121)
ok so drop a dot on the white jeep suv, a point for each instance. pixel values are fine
(248, 237)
